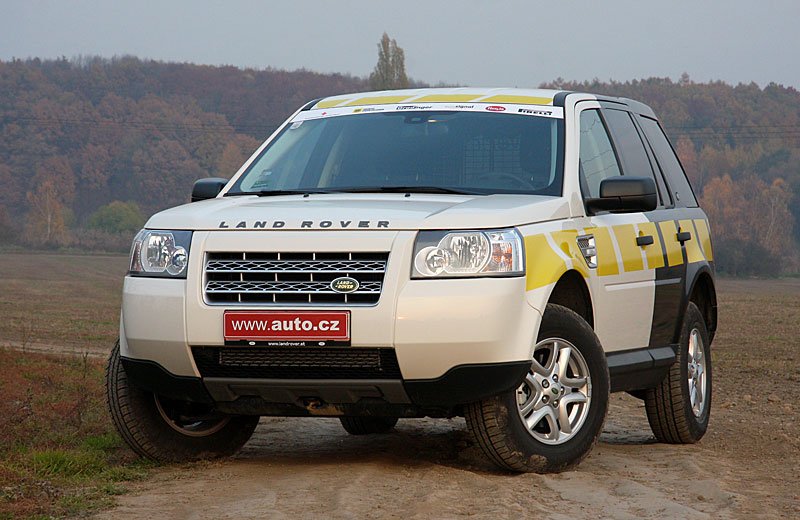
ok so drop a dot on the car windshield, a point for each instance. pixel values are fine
(414, 151)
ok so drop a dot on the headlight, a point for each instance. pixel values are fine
(468, 253)
(160, 253)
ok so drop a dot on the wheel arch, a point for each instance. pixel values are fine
(571, 291)
(703, 293)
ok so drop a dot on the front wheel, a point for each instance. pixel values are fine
(554, 418)
(679, 408)
(167, 430)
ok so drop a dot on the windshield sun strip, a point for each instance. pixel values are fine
(498, 108)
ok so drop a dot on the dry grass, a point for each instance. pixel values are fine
(59, 453)
(63, 300)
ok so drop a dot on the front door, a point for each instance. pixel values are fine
(627, 249)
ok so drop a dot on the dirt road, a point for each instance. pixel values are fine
(307, 468)
(748, 466)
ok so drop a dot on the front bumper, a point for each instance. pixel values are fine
(460, 385)
(464, 337)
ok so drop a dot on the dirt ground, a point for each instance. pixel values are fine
(747, 466)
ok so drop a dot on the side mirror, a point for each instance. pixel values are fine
(625, 194)
(208, 188)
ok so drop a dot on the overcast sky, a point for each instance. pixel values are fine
(487, 43)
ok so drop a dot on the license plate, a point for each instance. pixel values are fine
(287, 326)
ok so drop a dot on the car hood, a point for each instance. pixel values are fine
(361, 211)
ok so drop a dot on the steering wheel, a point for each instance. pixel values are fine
(516, 178)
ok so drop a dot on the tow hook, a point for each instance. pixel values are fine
(318, 407)
(312, 404)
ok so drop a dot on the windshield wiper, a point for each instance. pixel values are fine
(361, 189)
(408, 189)
(275, 193)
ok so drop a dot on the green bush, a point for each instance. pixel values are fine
(117, 217)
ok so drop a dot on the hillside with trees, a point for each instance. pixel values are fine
(90, 147)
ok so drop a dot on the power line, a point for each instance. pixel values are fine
(742, 132)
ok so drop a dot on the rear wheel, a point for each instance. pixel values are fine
(168, 430)
(679, 409)
(367, 425)
(553, 419)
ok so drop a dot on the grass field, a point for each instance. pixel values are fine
(59, 455)
(63, 300)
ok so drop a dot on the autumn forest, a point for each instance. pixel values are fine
(90, 147)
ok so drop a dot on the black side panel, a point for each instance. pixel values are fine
(672, 283)
(668, 305)
(150, 376)
(639, 369)
(467, 383)
(669, 288)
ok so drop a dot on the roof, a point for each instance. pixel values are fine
(516, 96)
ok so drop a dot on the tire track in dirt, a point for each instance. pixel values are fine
(61, 350)
(310, 468)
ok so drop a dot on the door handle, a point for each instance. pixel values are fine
(644, 240)
(683, 236)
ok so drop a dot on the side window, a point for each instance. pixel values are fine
(629, 144)
(597, 158)
(668, 162)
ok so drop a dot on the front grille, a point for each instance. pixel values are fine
(297, 362)
(293, 278)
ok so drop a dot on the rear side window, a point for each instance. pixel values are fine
(597, 158)
(668, 161)
(629, 144)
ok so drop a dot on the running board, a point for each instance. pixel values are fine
(640, 368)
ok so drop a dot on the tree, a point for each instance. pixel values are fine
(686, 152)
(390, 71)
(752, 224)
(59, 172)
(8, 232)
(46, 217)
(117, 217)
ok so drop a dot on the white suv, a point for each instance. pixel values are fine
(507, 255)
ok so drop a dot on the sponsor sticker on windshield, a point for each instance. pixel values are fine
(499, 108)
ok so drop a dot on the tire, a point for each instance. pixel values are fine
(142, 420)
(497, 422)
(367, 425)
(673, 415)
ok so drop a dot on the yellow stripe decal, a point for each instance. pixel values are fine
(693, 252)
(519, 100)
(606, 257)
(654, 252)
(542, 264)
(631, 254)
(447, 98)
(330, 103)
(567, 240)
(671, 244)
(704, 237)
(380, 100)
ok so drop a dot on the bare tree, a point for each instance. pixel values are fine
(390, 71)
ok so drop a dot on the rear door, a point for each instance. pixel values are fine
(683, 230)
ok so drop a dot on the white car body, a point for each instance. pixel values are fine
(436, 325)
